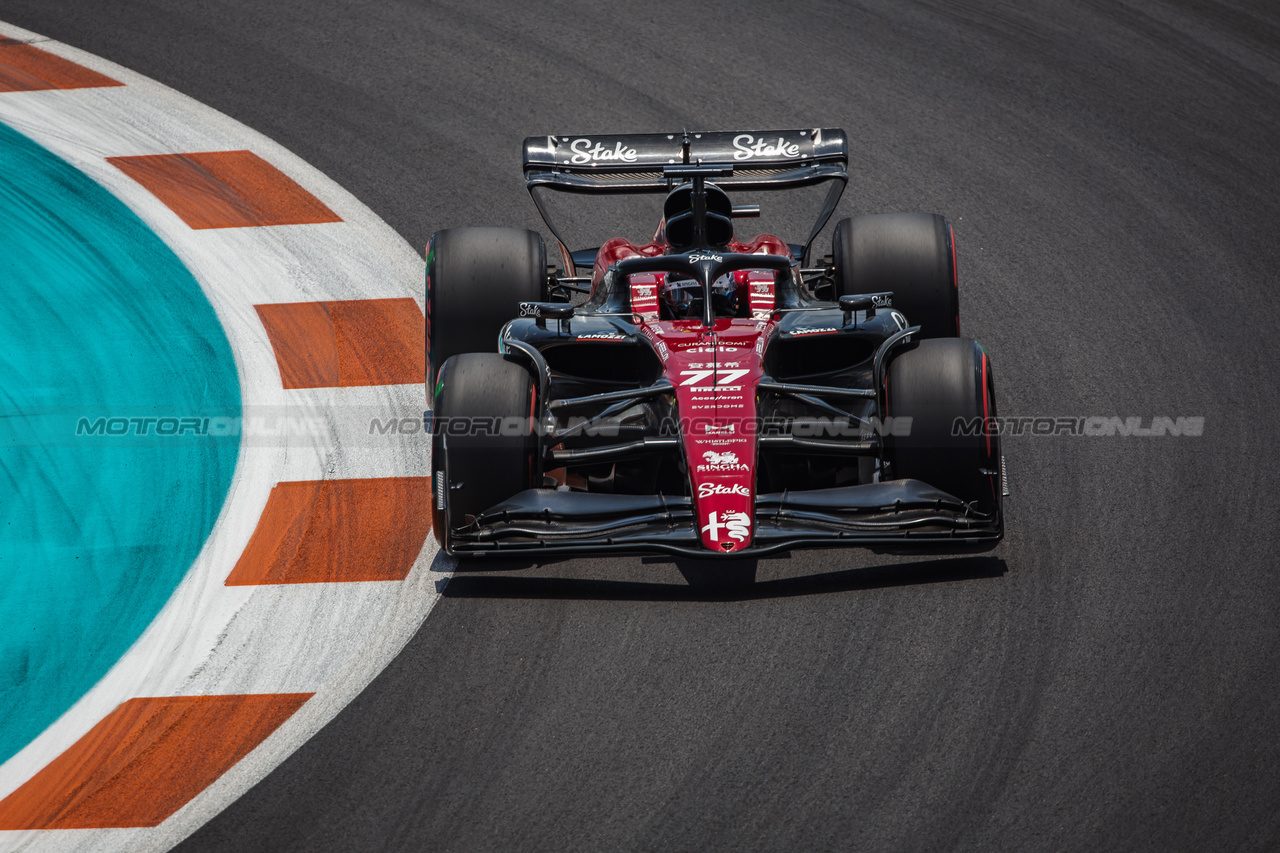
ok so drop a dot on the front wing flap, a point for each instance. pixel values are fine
(898, 513)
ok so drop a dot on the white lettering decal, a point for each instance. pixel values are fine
(723, 378)
(695, 376)
(706, 490)
(748, 147)
(584, 153)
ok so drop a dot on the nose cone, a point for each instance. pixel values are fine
(714, 372)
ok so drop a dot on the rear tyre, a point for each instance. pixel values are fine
(913, 255)
(938, 384)
(476, 280)
(484, 448)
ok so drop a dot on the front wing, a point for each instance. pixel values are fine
(907, 514)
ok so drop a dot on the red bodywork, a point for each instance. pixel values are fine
(715, 371)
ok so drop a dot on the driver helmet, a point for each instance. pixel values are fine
(680, 298)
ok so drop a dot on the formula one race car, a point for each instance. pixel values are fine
(712, 395)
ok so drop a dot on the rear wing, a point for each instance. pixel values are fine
(638, 163)
(634, 162)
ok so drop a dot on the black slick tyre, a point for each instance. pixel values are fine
(483, 446)
(946, 387)
(476, 280)
(911, 254)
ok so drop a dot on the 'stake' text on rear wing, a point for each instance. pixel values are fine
(634, 163)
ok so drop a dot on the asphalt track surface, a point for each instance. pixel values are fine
(1105, 679)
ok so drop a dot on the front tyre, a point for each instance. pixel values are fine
(484, 445)
(946, 387)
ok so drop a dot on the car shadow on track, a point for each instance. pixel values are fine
(717, 581)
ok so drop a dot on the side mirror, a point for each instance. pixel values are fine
(868, 302)
(543, 311)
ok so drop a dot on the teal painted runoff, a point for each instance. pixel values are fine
(101, 328)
